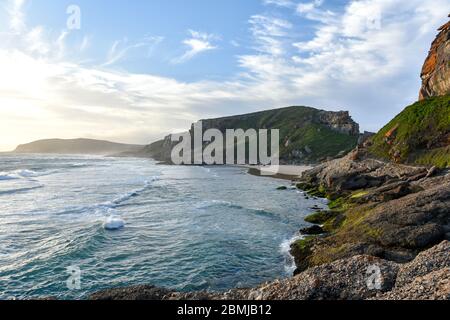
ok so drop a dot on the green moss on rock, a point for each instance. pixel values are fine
(321, 217)
(418, 135)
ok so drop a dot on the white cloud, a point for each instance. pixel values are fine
(121, 48)
(305, 7)
(17, 16)
(280, 3)
(347, 64)
(366, 59)
(269, 34)
(197, 43)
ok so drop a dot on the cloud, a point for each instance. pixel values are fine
(197, 43)
(17, 16)
(365, 58)
(280, 3)
(347, 63)
(121, 48)
(305, 7)
(269, 33)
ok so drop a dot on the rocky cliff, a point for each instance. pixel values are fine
(307, 135)
(436, 70)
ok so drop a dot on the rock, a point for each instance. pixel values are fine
(436, 69)
(426, 262)
(340, 122)
(433, 286)
(282, 188)
(343, 279)
(313, 230)
(433, 170)
(143, 292)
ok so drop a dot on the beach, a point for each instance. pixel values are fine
(286, 172)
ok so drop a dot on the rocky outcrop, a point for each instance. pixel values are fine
(436, 70)
(358, 278)
(339, 122)
(388, 210)
(307, 135)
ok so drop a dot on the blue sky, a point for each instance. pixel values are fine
(136, 70)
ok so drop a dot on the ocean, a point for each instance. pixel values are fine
(184, 227)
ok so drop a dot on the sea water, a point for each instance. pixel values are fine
(181, 227)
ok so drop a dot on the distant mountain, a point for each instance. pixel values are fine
(307, 135)
(77, 146)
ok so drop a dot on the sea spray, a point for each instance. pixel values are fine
(285, 249)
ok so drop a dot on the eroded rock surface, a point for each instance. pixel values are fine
(436, 70)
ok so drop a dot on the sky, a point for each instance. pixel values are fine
(134, 71)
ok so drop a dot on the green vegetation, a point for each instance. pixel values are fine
(418, 135)
(321, 217)
(439, 157)
(302, 135)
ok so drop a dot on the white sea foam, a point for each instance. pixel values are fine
(7, 176)
(113, 223)
(127, 196)
(24, 174)
(285, 249)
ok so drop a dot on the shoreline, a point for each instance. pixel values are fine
(284, 172)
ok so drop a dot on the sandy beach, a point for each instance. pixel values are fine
(288, 172)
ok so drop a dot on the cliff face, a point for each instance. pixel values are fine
(307, 135)
(420, 134)
(436, 70)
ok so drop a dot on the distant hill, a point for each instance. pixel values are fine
(307, 135)
(76, 146)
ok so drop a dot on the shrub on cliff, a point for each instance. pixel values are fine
(418, 135)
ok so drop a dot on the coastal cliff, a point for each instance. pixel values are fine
(436, 69)
(307, 135)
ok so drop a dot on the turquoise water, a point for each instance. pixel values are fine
(186, 228)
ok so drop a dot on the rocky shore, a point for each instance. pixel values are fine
(425, 278)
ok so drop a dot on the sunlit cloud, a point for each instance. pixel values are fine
(197, 43)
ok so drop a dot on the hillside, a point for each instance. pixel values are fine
(76, 146)
(307, 135)
(418, 135)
